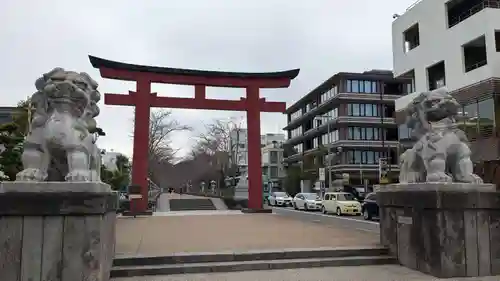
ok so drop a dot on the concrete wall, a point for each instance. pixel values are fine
(438, 43)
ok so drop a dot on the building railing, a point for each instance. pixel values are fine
(475, 65)
(495, 4)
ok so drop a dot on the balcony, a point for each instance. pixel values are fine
(364, 143)
(341, 98)
(460, 10)
(355, 168)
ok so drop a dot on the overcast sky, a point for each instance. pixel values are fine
(321, 37)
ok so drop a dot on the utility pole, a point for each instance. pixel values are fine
(382, 115)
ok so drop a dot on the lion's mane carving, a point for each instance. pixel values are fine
(441, 153)
(61, 143)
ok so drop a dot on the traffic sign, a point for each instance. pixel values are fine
(322, 174)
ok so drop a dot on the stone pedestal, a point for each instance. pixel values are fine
(56, 231)
(446, 230)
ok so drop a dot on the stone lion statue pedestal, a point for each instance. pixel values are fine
(57, 221)
(441, 219)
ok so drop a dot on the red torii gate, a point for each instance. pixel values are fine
(143, 100)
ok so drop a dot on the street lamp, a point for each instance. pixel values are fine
(330, 155)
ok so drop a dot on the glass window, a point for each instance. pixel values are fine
(374, 87)
(357, 157)
(369, 109)
(404, 132)
(349, 109)
(375, 110)
(486, 119)
(357, 133)
(348, 86)
(355, 86)
(369, 133)
(370, 157)
(355, 109)
(471, 120)
(368, 86)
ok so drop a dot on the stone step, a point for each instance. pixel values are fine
(180, 258)
(191, 204)
(233, 266)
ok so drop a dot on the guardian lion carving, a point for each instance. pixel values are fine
(441, 153)
(61, 143)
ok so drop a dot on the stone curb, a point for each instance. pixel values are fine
(249, 266)
(179, 258)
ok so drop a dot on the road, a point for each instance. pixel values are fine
(356, 222)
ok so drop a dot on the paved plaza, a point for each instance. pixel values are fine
(228, 231)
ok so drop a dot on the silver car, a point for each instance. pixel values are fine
(281, 199)
(307, 202)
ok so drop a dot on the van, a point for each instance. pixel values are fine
(340, 203)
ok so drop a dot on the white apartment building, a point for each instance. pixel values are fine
(109, 159)
(272, 163)
(456, 44)
(238, 145)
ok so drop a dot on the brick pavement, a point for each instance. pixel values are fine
(163, 235)
(354, 273)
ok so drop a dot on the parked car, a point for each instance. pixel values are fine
(307, 201)
(279, 198)
(340, 203)
(370, 208)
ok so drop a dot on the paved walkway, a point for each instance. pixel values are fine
(349, 273)
(229, 231)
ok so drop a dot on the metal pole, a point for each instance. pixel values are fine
(329, 168)
(382, 111)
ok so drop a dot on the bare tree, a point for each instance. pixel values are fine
(160, 151)
(215, 142)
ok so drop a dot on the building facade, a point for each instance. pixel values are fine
(352, 116)
(7, 114)
(238, 145)
(453, 44)
(272, 163)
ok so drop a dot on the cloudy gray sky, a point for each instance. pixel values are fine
(321, 37)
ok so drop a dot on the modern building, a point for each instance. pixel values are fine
(6, 114)
(238, 145)
(272, 163)
(455, 44)
(109, 159)
(352, 116)
(270, 138)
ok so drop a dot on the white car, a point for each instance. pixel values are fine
(307, 202)
(340, 203)
(279, 199)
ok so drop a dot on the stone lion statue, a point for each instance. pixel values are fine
(61, 144)
(441, 152)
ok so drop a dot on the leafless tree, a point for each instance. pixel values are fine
(215, 143)
(160, 151)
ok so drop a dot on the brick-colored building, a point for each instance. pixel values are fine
(352, 115)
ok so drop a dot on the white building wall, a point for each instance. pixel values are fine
(438, 43)
(109, 160)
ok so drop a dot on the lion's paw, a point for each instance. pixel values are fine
(473, 178)
(78, 175)
(439, 177)
(31, 174)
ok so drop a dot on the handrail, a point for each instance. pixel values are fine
(473, 10)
